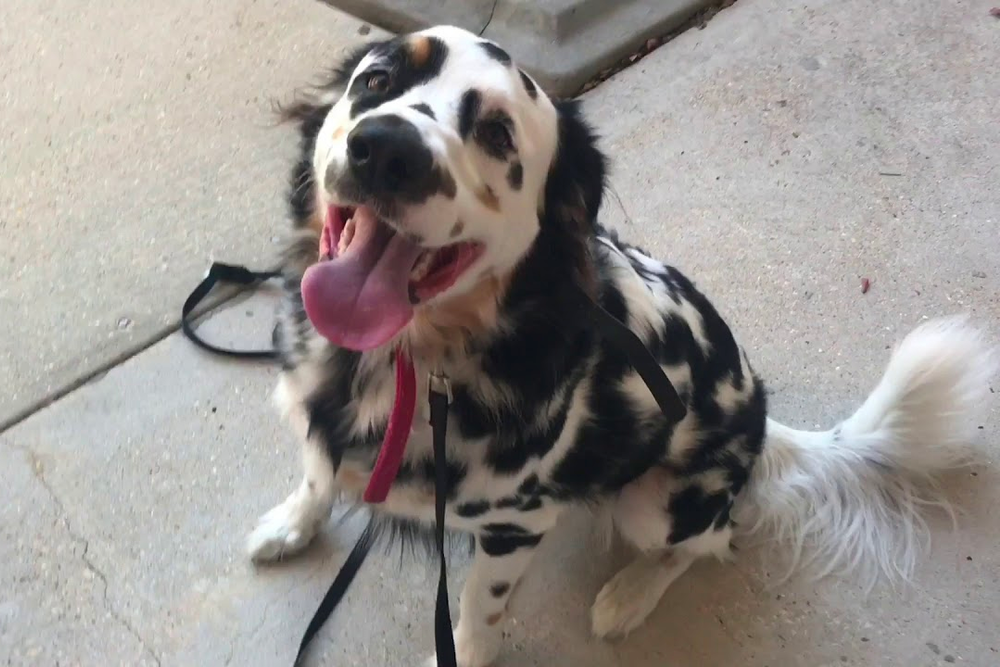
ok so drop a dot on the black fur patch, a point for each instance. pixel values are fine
(505, 528)
(498, 544)
(694, 511)
(499, 589)
(468, 113)
(425, 110)
(529, 85)
(515, 176)
(508, 502)
(392, 57)
(472, 509)
(495, 52)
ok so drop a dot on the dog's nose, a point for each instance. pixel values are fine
(388, 156)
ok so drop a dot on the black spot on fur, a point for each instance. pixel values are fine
(515, 176)
(495, 52)
(693, 511)
(502, 544)
(531, 504)
(529, 485)
(505, 528)
(499, 589)
(508, 502)
(425, 110)
(468, 113)
(529, 85)
(473, 509)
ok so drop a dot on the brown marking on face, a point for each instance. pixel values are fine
(420, 50)
(448, 187)
(339, 132)
(438, 329)
(457, 229)
(489, 198)
(493, 619)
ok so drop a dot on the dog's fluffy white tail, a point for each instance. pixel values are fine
(851, 499)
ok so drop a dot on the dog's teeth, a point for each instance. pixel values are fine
(422, 266)
(346, 236)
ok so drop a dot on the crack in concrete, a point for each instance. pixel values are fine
(490, 19)
(284, 595)
(36, 470)
(253, 633)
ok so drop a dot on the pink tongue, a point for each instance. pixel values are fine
(361, 299)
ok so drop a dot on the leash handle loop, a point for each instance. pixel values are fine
(226, 273)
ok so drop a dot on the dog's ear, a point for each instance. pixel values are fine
(316, 101)
(573, 193)
(308, 111)
(575, 185)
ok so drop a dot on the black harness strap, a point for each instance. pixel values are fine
(639, 358)
(439, 396)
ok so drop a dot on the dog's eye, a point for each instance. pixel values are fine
(494, 135)
(377, 82)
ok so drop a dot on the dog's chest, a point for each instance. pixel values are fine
(477, 492)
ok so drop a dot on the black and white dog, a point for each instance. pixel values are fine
(444, 205)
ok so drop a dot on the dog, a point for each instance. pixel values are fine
(445, 206)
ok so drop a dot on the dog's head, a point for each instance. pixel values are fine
(436, 168)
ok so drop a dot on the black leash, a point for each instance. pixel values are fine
(226, 273)
(439, 397)
(338, 588)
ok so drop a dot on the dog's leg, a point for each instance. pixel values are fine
(500, 561)
(632, 594)
(646, 518)
(290, 526)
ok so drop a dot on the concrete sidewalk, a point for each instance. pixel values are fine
(138, 141)
(778, 156)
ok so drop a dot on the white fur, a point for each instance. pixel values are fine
(851, 499)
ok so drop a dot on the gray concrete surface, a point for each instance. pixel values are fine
(138, 142)
(563, 44)
(754, 154)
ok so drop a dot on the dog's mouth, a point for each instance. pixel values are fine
(370, 277)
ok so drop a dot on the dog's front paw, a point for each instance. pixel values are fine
(478, 649)
(283, 531)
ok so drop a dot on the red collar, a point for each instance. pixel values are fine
(390, 456)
